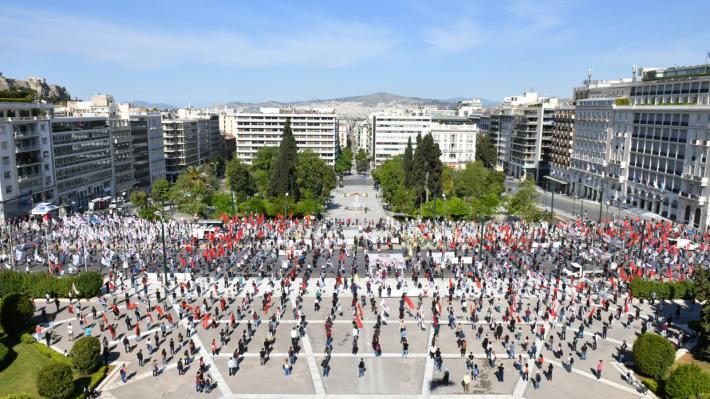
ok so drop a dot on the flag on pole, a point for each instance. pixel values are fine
(206, 321)
(409, 302)
(358, 321)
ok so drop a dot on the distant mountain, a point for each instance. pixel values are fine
(148, 104)
(374, 99)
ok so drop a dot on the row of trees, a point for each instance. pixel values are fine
(279, 179)
(418, 183)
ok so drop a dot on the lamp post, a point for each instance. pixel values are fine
(443, 195)
(285, 204)
(162, 237)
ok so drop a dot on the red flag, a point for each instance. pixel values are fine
(438, 306)
(131, 306)
(362, 314)
(105, 318)
(268, 304)
(478, 283)
(206, 321)
(111, 286)
(451, 284)
(138, 330)
(150, 316)
(46, 217)
(358, 321)
(183, 262)
(409, 302)
(160, 311)
(591, 314)
(670, 274)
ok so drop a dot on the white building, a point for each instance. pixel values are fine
(390, 132)
(26, 160)
(470, 107)
(455, 135)
(456, 138)
(313, 130)
(646, 143)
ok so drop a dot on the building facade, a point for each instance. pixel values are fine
(26, 166)
(181, 145)
(312, 130)
(531, 140)
(561, 147)
(456, 138)
(391, 131)
(83, 160)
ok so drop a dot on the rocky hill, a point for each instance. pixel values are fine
(42, 90)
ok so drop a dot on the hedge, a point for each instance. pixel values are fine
(51, 353)
(641, 288)
(37, 284)
(18, 396)
(55, 381)
(687, 381)
(94, 381)
(4, 355)
(653, 355)
(86, 355)
(15, 311)
(654, 385)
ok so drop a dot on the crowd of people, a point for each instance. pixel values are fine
(519, 291)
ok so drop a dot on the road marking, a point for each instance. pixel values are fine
(209, 359)
(428, 367)
(311, 360)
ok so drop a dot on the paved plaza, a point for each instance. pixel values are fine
(390, 373)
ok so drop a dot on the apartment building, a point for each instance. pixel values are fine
(531, 139)
(253, 129)
(561, 147)
(123, 155)
(181, 145)
(392, 130)
(26, 160)
(83, 160)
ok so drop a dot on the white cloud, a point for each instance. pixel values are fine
(320, 43)
(462, 35)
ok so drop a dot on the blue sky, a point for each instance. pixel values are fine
(210, 52)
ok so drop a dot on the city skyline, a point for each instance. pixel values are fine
(220, 52)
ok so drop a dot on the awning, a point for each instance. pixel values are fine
(558, 181)
(43, 209)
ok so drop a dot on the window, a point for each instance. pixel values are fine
(3, 145)
(8, 175)
(8, 189)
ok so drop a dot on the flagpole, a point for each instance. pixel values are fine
(46, 243)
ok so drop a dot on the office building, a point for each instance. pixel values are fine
(83, 161)
(26, 166)
(253, 129)
(181, 145)
(531, 139)
(391, 130)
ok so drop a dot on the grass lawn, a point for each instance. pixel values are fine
(688, 358)
(20, 375)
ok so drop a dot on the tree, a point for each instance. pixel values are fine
(240, 180)
(523, 202)
(15, 311)
(407, 164)
(702, 293)
(687, 381)
(192, 192)
(315, 178)
(283, 175)
(160, 192)
(218, 165)
(261, 166)
(139, 199)
(344, 161)
(362, 161)
(86, 355)
(427, 169)
(486, 152)
(55, 381)
(653, 355)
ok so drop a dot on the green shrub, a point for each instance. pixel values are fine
(15, 311)
(27, 339)
(51, 353)
(687, 381)
(650, 383)
(4, 356)
(18, 396)
(641, 288)
(86, 355)
(653, 355)
(36, 285)
(92, 382)
(55, 381)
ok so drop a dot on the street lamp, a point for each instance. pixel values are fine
(285, 204)
(444, 196)
(162, 237)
